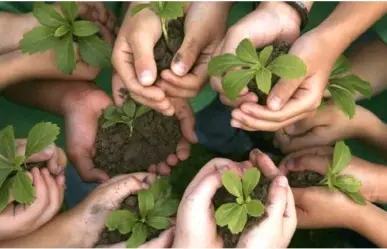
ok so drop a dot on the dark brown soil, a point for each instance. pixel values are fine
(38, 165)
(155, 136)
(296, 179)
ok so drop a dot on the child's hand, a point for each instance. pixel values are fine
(18, 220)
(325, 127)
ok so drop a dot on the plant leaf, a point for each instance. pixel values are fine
(341, 157)
(288, 67)
(246, 52)
(159, 186)
(129, 108)
(342, 65)
(167, 209)
(344, 100)
(69, 10)
(264, 55)
(348, 183)
(238, 221)
(47, 15)
(39, 39)
(139, 7)
(145, 202)
(40, 136)
(4, 194)
(8, 143)
(232, 183)
(108, 123)
(65, 55)
(158, 222)
(19, 160)
(121, 220)
(263, 80)
(61, 31)
(6, 168)
(353, 83)
(138, 237)
(224, 62)
(356, 197)
(142, 110)
(109, 111)
(255, 208)
(95, 51)
(84, 28)
(22, 189)
(331, 179)
(250, 181)
(224, 213)
(171, 10)
(235, 81)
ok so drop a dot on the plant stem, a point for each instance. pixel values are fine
(164, 28)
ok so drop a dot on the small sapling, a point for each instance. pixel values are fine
(234, 215)
(13, 177)
(60, 31)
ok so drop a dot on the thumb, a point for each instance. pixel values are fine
(164, 240)
(314, 163)
(277, 199)
(282, 91)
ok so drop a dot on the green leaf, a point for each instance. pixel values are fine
(224, 213)
(69, 10)
(61, 31)
(65, 55)
(109, 112)
(84, 28)
(255, 208)
(224, 62)
(353, 83)
(232, 183)
(158, 222)
(142, 110)
(4, 194)
(40, 136)
(129, 108)
(39, 39)
(95, 51)
(8, 143)
(22, 189)
(235, 81)
(136, 9)
(342, 65)
(238, 221)
(171, 10)
(263, 80)
(108, 123)
(6, 168)
(356, 197)
(47, 15)
(138, 237)
(145, 202)
(348, 183)
(121, 220)
(250, 181)
(331, 179)
(344, 100)
(246, 52)
(159, 186)
(167, 209)
(341, 157)
(264, 55)
(19, 160)
(288, 67)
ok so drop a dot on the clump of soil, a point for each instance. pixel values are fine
(154, 136)
(39, 165)
(296, 180)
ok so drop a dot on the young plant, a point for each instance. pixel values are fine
(13, 177)
(60, 32)
(234, 215)
(253, 66)
(126, 114)
(155, 207)
(343, 86)
(347, 184)
(167, 11)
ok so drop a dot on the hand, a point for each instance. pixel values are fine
(271, 21)
(195, 216)
(325, 127)
(19, 220)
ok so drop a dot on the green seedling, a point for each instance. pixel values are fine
(347, 184)
(253, 66)
(343, 86)
(167, 11)
(63, 33)
(155, 207)
(126, 114)
(13, 177)
(234, 215)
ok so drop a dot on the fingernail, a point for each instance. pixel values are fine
(145, 185)
(61, 180)
(235, 124)
(49, 150)
(282, 181)
(222, 168)
(178, 68)
(290, 129)
(290, 164)
(275, 103)
(146, 77)
(257, 151)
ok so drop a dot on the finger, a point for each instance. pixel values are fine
(102, 12)
(183, 150)
(112, 20)
(290, 216)
(152, 168)
(57, 163)
(164, 240)
(172, 159)
(165, 106)
(306, 124)
(277, 199)
(176, 92)
(313, 163)
(106, 34)
(163, 169)
(282, 91)
(185, 115)
(248, 97)
(117, 87)
(316, 151)
(42, 156)
(41, 202)
(264, 164)
(146, 178)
